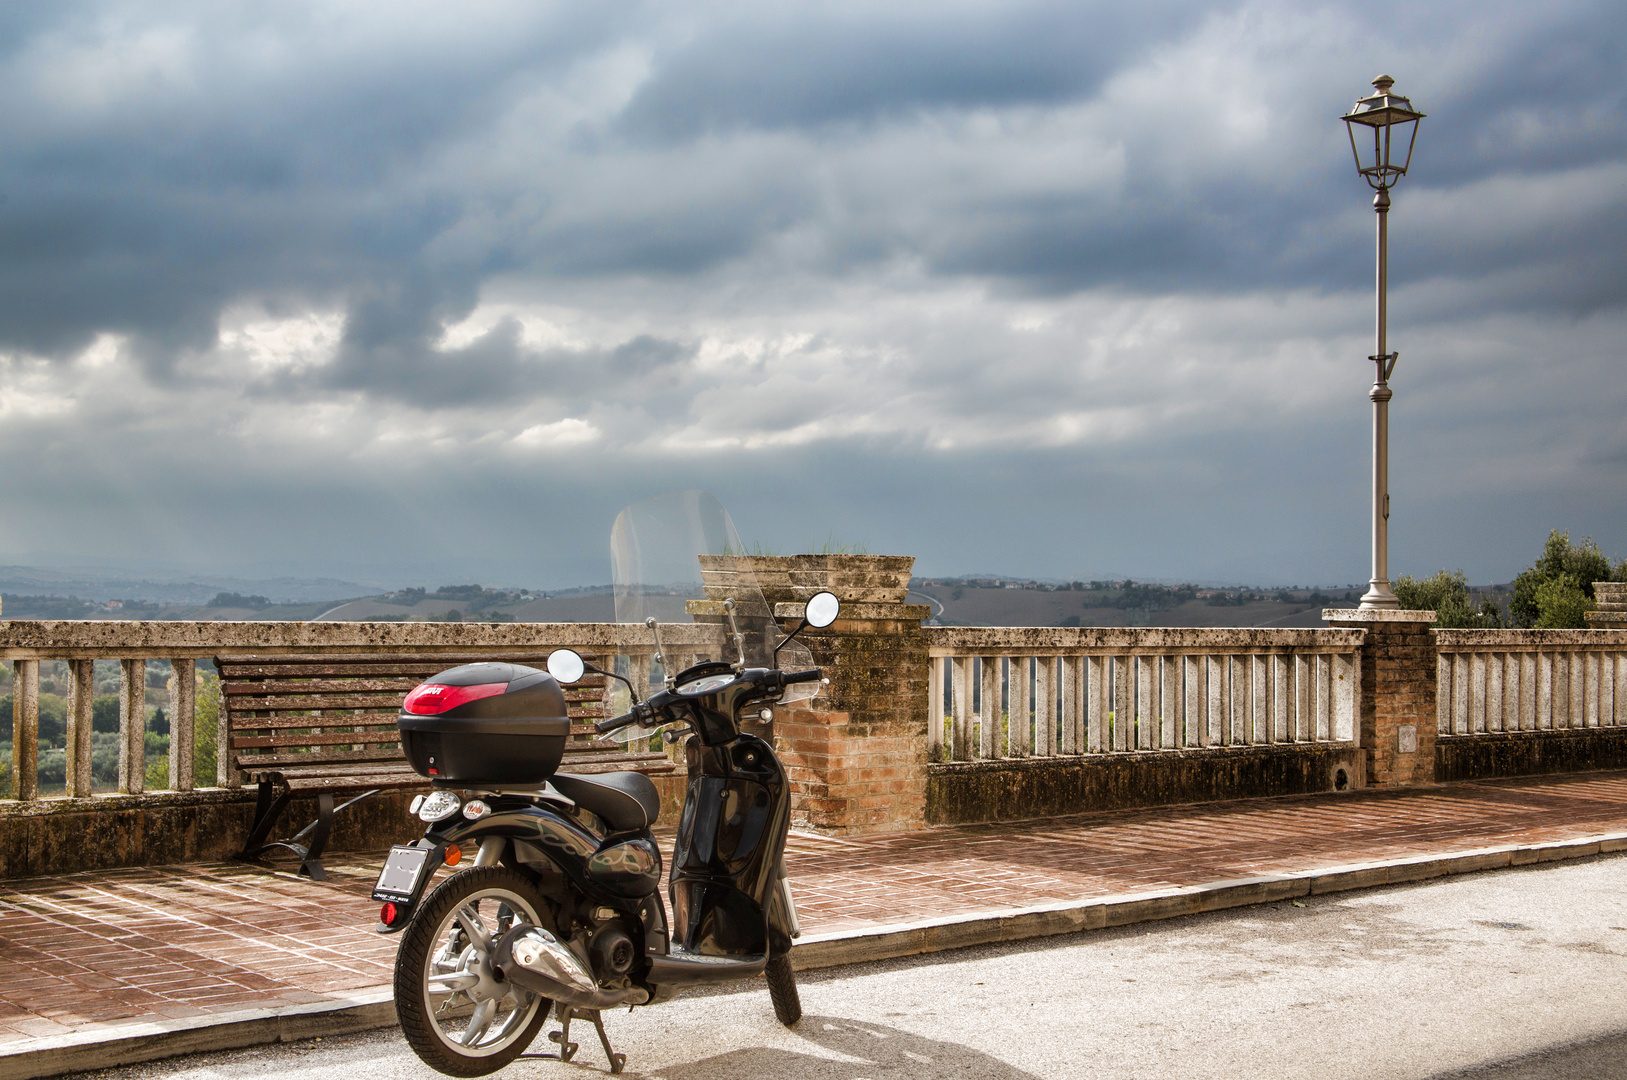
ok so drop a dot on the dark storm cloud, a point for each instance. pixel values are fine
(284, 157)
(1071, 243)
(799, 70)
(387, 355)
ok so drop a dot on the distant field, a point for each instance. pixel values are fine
(601, 608)
(1033, 607)
(953, 603)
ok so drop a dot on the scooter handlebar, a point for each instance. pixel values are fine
(634, 715)
(811, 675)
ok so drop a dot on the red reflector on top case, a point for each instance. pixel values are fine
(432, 698)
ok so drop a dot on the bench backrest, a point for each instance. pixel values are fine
(309, 710)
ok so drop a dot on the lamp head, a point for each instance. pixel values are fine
(1391, 120)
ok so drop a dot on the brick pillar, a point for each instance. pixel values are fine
(856, 754)
(1398, 700)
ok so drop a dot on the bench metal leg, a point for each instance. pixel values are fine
(310, 864)
(310, 854)
(267, 808)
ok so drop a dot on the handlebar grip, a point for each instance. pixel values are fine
(811, 675)
(605, 727)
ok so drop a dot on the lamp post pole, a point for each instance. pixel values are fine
(1381, 114)
(1379, 594)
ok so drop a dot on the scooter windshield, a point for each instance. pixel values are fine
(677, 558)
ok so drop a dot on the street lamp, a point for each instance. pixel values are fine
(1392, 120)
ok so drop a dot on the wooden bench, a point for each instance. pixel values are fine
(325, 725)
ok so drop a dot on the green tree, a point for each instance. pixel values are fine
(1556, 591)
(1447, 595)
(206, 713)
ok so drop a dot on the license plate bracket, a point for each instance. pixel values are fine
(403, 873)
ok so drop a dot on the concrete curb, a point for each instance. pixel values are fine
(120, 1045)
(129, 1044)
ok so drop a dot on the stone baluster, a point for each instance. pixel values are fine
(989, 718)
(81, 696)
(25, 730)
(1146, 707)
(960, 746)
(132, 727)
(1045, 715)
(183, 686)
(1196, 703)
(935, 712)
(1017, 682)
(1169, 701)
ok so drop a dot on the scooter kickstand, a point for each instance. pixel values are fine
(567, 1049)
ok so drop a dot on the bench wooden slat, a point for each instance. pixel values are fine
(330, 720)
(366, 663)
(257, 762)
(293, 702)
(281, 687)
(334, 738)
(372, 720)
(408, 779)
(397, 687)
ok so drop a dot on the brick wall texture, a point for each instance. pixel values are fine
(1398, 678)
(856, 755)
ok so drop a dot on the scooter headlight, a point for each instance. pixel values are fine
(438, 806)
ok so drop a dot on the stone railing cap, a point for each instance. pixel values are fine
(907, 612)
(1375, 615)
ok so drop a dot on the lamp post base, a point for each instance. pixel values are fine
(1379, 597)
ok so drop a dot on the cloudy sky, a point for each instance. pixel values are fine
(414, 293)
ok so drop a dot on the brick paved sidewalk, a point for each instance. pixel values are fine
(97, 950)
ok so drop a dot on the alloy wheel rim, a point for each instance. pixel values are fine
(461, 994)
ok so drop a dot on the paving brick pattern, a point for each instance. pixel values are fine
(115, 947)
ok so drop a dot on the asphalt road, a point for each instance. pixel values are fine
(1507, 975)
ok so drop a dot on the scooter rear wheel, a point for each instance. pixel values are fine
(782, 989)
(457, 1017)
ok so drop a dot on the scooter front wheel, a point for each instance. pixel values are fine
(782, 990)
(457, 1017)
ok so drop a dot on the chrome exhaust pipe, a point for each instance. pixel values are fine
(530, 957)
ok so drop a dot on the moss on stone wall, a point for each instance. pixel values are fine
(965, 792)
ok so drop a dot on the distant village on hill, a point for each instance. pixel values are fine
(954, 601)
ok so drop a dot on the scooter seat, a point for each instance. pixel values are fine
(627, 801)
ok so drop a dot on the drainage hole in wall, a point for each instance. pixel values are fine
(1341, 780)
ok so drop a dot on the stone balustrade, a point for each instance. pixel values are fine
(918, 725)
(1493, 681)
(1021, 692)
(132, 644)
(1033, 722)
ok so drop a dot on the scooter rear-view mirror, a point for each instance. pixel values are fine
(566, 665)
(820, 611)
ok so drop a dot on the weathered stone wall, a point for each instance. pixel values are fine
(1398, 694)
(60, 836)
(1529, 753)
(971, 791)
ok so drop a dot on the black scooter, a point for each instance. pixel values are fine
(561, 905)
